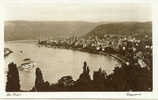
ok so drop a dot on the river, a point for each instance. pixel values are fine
(54, 62)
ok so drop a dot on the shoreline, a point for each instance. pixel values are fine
(114, 55)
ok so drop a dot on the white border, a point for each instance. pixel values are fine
(141, 95)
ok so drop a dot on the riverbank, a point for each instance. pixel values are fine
(139, 51)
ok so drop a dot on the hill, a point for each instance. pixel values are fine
(123, 28)
(30, 30)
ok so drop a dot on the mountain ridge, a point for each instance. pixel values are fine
(122, 28)
(23, 30)
(33, 30)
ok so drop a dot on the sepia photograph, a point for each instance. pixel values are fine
(78, 47)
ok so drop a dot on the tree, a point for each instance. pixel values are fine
(39, 82)
(85, 77)
(99, 78)
(13, 84)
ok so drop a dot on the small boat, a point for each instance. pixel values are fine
(21, 51)
(27, 59)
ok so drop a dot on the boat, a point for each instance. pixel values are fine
(27, 59)
(21, 51)
(27, 65)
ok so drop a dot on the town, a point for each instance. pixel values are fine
(125, 48)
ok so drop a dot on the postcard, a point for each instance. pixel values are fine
(78, 49)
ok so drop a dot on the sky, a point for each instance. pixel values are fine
(80, 11)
